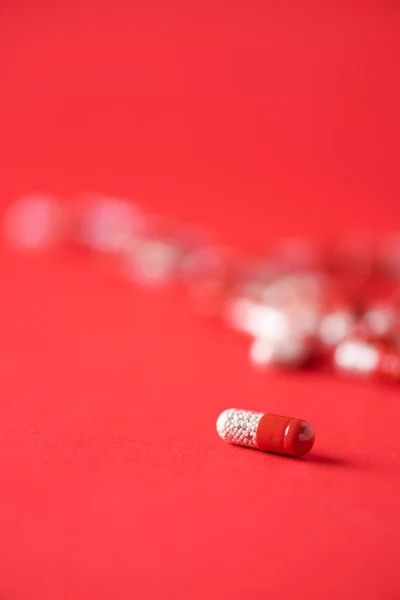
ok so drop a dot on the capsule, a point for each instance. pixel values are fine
(209, 272)
(371, 359)
(157, 257)
(269, 433)
(36, 223)
(291, 353)
(107, 225)
(381, 321)
(335, 325)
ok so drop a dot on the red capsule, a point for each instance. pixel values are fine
(371, 359)
(269, 433)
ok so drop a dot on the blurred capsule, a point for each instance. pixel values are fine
(293, 255)
(284, 336)
(336, 325)
(36, 222)
(151, 261)
(284, 308)
(373, 360)
(105, 224)
(308, 288)
(262, 320)
(381, 320)
(338, 318)
(157, 256)
(212, 273)
(208, 272)
(292, 352)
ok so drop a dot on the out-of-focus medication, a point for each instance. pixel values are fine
(369, 359)
(286, 308)
(337, 322)
(106, 224)
(208, 272)
(296, 255)
(152, 261)
(266, 432)
(157, 256)
(36, 222)
(291, 353)
(381, 320)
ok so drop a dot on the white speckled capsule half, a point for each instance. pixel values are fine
(239, 426)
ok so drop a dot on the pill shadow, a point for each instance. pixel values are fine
(317, 458)
(326, 460)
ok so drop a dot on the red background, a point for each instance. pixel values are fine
(256, 120)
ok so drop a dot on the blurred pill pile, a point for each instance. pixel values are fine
(336, 304)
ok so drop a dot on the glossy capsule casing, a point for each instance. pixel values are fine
(266, 432)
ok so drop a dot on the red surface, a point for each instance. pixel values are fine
(255, 119)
